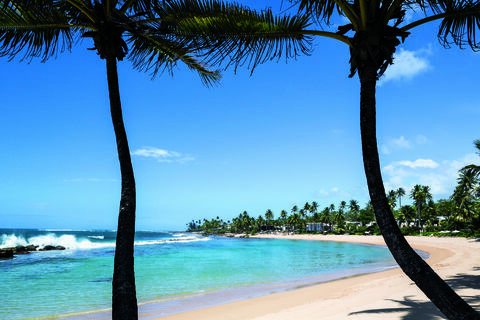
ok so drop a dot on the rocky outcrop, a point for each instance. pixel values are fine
(7, 253)
(49, 248)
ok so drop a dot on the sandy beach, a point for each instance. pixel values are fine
(383, 295)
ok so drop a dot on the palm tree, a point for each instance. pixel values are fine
(468, 188)
(283, 215)
(474, 168)
(400, 193)
(325, 217)
(294, 220)
(392, 198)
(314, 207)
(154, 36)
(354, 208)
(407, 214)
(269, 216)
(420, 195)
(374, 30)
(294, 209)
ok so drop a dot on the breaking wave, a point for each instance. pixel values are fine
(86, 242)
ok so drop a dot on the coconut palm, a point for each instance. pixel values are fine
(154, 36)
(467, 189)
(400, 193)
(354, 208)
(294, 220)
(474, 168)
(407, 214)
(420, 195)
(392, 198)
(269, 216)
(314, 207)
(374, 30)
(283, 215)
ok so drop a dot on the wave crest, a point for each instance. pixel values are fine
(87, 242)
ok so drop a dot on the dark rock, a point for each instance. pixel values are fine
(6, 253)
(21, 250)
(31, 247)
(49, 248)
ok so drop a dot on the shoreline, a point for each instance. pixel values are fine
(386, 294)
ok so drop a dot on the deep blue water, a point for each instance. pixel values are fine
(167, 265)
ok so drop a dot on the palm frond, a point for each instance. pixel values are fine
(461, 23)
(323, 10)
(234, 33)
(460, 20)
(155, 54)
(32, 28)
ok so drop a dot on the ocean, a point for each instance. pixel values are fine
(169, 267)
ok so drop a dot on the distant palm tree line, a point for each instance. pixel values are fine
(461, 211)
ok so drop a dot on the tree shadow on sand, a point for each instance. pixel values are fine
(425, 310)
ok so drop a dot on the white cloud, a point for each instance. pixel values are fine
(394, 144)
(90, 180)
(419, 163)
(406, 65)
(421, 139)
(440, 176)
(162, 155)
(402, 143)
(335, 191)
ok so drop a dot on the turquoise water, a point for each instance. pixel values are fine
(168, 265)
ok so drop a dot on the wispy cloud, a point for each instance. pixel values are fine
(394, 144)
(162, 155)
(419, 163)
(441, 176)
(332, 193)
(407, 64)
(90, 180)
(402, 143)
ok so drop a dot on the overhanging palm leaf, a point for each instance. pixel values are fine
(246, 36)
(473, 168)
(18, 19)
(154, 35)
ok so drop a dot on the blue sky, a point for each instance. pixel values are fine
(283, 136)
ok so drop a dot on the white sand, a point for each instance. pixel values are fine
(383, 295)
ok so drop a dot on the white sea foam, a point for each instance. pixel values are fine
(67, 241)
(97, 237)
(173, 240)
(11, 240)
(71, 242)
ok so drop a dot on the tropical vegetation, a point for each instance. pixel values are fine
(445, 217)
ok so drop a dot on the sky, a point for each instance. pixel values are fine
(283, 136)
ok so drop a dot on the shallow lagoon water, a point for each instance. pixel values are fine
(201, 270)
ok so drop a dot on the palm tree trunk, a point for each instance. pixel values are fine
(444, 298)
(124, 300)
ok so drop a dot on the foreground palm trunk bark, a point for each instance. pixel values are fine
(124, 300)
(444, 298)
